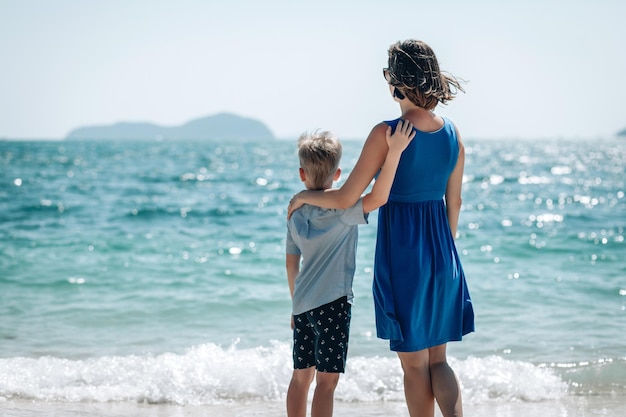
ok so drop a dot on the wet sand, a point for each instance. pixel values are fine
(572, 406)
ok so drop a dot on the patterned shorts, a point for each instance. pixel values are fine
(320, 337)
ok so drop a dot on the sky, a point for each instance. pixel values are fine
(532, 69)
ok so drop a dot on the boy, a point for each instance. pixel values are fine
(322, 291)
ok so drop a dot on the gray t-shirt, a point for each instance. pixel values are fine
(326, 239)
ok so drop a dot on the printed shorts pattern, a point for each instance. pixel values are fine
(320, 337)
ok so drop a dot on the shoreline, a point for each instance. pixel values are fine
(570, 406)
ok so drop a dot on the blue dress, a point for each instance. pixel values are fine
(420, 295)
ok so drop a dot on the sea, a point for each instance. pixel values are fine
(147, 278)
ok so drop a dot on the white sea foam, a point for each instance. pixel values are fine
(209, 374)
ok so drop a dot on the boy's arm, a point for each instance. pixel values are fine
(292, 262)
(397, 143)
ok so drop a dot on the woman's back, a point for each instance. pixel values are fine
(426, 164)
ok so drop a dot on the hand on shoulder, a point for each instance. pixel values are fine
(401, 137)
(294, 204)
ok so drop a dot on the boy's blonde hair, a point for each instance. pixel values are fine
(319, 153)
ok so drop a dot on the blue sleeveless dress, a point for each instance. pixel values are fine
(420, 295)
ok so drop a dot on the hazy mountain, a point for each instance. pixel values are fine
(223, 126)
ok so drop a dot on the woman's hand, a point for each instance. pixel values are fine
(294, 204)
(401, 138)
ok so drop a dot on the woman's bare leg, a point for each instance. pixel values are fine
(445, 386)
(417, 383)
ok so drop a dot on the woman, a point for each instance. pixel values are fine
(420, 294)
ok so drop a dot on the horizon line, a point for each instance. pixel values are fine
(295, 137)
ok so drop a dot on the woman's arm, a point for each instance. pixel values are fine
(453, 189)
(397, 143)
(371, 159)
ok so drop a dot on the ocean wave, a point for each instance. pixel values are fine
(147, 213)
(210, 374)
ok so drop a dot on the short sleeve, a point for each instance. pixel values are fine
(354, 215)
(291, 247)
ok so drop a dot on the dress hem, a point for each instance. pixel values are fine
(428, 345)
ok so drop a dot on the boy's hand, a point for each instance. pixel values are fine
(402, 136)
(292, 323)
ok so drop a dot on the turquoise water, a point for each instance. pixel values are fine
(154, 271)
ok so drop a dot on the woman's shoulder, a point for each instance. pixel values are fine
(452, 131)
(435, 124)
(379, 130)
(448, 125)
(447, 121)
(391, 123)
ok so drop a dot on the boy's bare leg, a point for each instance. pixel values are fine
(444, 383)
(417, 385)
(298, 391)
(324, 396)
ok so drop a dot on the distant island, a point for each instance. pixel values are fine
(222, 126)
(622, 133)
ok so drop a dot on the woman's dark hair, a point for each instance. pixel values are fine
(414, 70)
